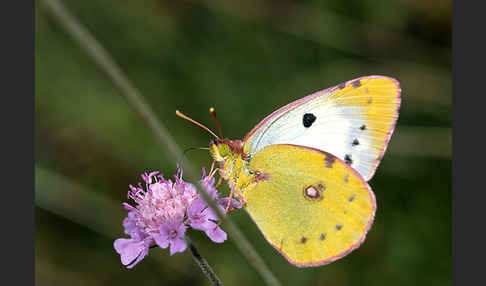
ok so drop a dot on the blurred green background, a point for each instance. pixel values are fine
(245, 58)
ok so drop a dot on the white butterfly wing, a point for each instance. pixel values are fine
(353, 121)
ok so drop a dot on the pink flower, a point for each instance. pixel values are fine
(161, 214)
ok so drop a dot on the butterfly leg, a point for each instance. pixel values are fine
(230, 198)
(220, 180)
(242, 200)
(213, 171)
(228, 210)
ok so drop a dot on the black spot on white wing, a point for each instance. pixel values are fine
(347, 159)
(308, 119)
(355, 142)
(362, 127)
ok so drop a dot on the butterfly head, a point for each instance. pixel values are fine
(221, 150)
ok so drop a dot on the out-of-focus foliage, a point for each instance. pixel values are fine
(245, 58)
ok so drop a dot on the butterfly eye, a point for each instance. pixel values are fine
(223, 150)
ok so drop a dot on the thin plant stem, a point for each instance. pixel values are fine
(203, 264)
(108, 65)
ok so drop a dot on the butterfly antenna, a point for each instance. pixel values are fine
(193, 148)
(190, 149)
(180, 114)
(213, 114)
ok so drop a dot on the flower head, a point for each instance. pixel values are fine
(162, 212)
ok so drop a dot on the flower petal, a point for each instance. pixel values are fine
(128, 249)
(121, 244)
(142, 255)
(216, 234)
(209, 214)
(196, 207)
(181, 229)
(131, 228)
(164, 229)
(161, 240)
(234, 203)
(205, 225)
(177, 245)
(208, 186)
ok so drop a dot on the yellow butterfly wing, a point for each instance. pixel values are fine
(309, 205)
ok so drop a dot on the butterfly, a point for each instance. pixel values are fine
(302, 172)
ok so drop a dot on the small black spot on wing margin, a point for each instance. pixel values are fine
(329, 161)
(347, 159)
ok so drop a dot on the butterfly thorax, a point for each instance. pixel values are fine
(233, 162)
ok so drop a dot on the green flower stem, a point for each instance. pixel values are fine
(107, 64)
(203, 264)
